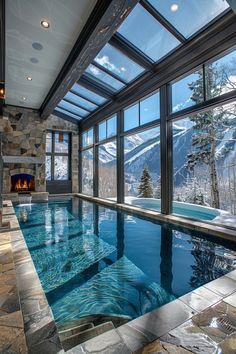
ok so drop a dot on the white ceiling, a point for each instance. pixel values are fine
(67, 18)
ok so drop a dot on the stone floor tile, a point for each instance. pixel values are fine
(33, 300)
(133, 338)
(158, 322)
(222, 286)
(12, 340)
(5, 238)
(190, 337)
(198, 302)
(106, 343)
(50, 346)
(231, 299)
(9, 299)
(228, 346)
(13, 319)
(160, 347)
(232, 274)
(217, 322)
(39, 327)
(208, 295)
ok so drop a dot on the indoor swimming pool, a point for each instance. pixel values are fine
(127, 264)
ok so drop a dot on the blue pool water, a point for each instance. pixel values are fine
(92, 260)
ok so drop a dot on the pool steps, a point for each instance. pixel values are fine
(82, 335)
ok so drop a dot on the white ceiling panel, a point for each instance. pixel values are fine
(37, 52)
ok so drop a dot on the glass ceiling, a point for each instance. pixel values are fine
(147, 34)
(151, 31)
(189, 16)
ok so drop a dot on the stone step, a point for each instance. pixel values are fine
(81, 337)
(75, 330)
(95, 319)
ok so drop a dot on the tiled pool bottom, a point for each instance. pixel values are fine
(128, 265)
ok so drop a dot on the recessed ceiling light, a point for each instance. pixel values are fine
(29, 78)
(45, 24)
(23, 98)
(174, 7)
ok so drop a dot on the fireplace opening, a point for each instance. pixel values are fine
(22, 182)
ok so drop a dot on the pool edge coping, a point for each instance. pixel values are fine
(33, 301)
(192, 224)
(139, 336)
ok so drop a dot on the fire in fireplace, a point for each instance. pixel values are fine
(22, 182)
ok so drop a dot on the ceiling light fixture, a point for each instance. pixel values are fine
(29, 78)
(45, 24)
(174, 7)
(23, 98)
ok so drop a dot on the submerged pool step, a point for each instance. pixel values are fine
(83, 336)
(75, 330)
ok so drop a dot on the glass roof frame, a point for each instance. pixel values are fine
(131, 51)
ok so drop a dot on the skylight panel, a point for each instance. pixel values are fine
(81, 101)
(117, 63)
(58, 109)
(147, 34)
(90, 95)
(72, 108)
(105, 78)
(189, 16)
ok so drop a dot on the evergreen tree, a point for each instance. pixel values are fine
(208, 126)
(145, 187)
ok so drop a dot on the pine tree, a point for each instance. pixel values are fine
(208, 126)
(145, 187)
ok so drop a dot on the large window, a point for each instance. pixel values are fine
(87, 171)
(143, 112)
(57, 156)
(142, 168)
(221, 75)
(202, 147)
(204, 161)
(107, 129)
(87, 138)
(182, 91)
(107, 170)
(213, 79)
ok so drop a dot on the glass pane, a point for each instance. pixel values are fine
(184, 91)
(61, 168)
(111, 127)
(150, 109)
(104, 77)
(81, 101)
(48, 168)
(142, 169)
(102, 131)
(147, 34)
(131, 117)
(67, 113)
(49, 142)
(204, 165)
(118, 63)
(189, 16)
(87, 171)
(61, 142)
(107, 170)
(84, 139)
(73, 109)
(90, 95)
(90, 137)
(221, 76)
